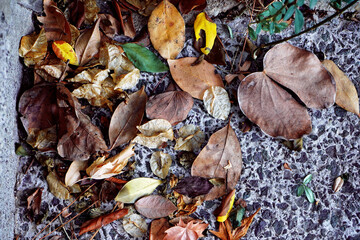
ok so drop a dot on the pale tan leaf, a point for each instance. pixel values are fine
(135, 225)
(95, 75)
(137, 188)
(155, 206)
(190, 231)
(217, 102)
(56, 187)
(73, 173)
(160, 164)
(126, 81)
(190, 138)
(113, 57)
(51, 69)
(33, 48)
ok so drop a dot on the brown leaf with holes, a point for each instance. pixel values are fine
(220, 158)
(190, 231)
(158, 228)
(33, 204)
(194, 79)
(167, 30)
(155, 206)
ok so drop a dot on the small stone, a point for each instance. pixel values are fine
(266, 214)
(278, 226)
(260, 227)
(282, 206)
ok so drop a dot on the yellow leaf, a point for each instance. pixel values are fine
(33, 48)
(73, 173)
(226, 206)
(201, 23)
(65, 52)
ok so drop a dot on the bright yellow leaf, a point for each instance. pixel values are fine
(65, 52)
(201, 23)
(226, 206)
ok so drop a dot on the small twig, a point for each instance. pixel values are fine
(96, 232)
(67, 235)
(63, 73)
(31, 163)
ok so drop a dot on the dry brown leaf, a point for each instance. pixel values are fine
(126, 118)
(187, 206)
(167, 30)
(302, 72)
(126, 81)
(91, 11)
(217, 102)
(34, 203)
(160, 164)
(346, 94)
(158, 228)
(223, 148)
(56, 187)
(44, 139)
(154, 133)
(33, 48)
(76, 12)
(73, 173)
(194, 79)
(155, 206)
(94, 75)
(51, 69)
(190, 138)
(190, 231)
(186, 6)
(109, 25)
(241, 231)
(135, 225)
(223, 211)
(104, 168)
(273, 109)
(173, 106)
(126, 21)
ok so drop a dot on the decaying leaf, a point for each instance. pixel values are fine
(186, 159)
(202, 23)
(94, 75)
(34, 203)
(167, 30)
(155, 206)
(135, 225)
(76, 13)
(160, 164)
(144, 7)
(73, 173)
(126, 81)
(346, 94)
(186, 205)
(217, 102)
(190, 138)
(173, 106)
(56, 187)
(126, 20)
(33, 48)
(51, 69)
(223, 211)
(126, 117)
(113, 58)
(186, 6)
(158, 228)
(137, 188)
(154, 133)
(65, 52)
(295, 145)
(193, 186)
(101, 221)
(194, 79)
(273, 109)
(302, 72)
(222, 150)
(43, 140)
(109, 24)
(104, 168)
(91, 11)
(190, 231)
(217, 53)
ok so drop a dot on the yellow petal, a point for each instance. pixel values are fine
(201, 23)
(65, 52)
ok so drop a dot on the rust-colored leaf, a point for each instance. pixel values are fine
(186, 6)
(190, 231)
(109, 25)
(220, 158)
(155, 206)
(33, 204)
(158, 228)
(77, 12)
(98, 222)
(245, 224)
(194, 79)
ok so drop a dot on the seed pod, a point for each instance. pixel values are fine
(339, 182)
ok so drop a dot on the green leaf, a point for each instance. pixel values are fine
(289, 12)
(290, 1)
(143, 59)
(283, 25)
(299, 3)
(258, 29)
(278, 17)
(277, 5)
(272, 10)
(252, 33)
(265, 27)
(21, 151)
(307, 179)
(313, 4)
(300, 190)
(239, 216)
(309, 194)
(272, 28)
(230, 32)
(299, 20)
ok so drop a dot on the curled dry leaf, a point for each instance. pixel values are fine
(155, 206)
(94, 75)
(302, 72)
(160, 164)
(222, 150)
(102, 168)
(137, 188)
(43, 140)
(190, 231)
(51, 69)
(346, 94)
(34, 203)
(167, 30)
(173, 106)
(186, 6)
(76, 14)
(154, 133)
(126, 81)
(112, 57)
(91, 11)
(338, 183)
(193, 186)
(186, 205)
(194, 79)
(217, 53)
(33, 48)
(73, 173)
(56, 187)
(217, 102)
(158, 228)
(101, 221)
(190, 138)
(109, 24)
(126, 117)
(223, 211)
(273, 109)
(135, 225)
(202, 23)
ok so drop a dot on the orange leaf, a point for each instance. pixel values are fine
(65, 52)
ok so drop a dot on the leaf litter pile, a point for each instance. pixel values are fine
(89, 112)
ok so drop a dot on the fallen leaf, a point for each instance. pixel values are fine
(286, 166)
(245, 224)
(51, 69)
(160, 164)
(190, 138)
(186, 159)
(154, 133)
(173, 106)
(93, 75)
(112, 57)
(126, 21)
(104, 168)
(223, 211)
(65, 52)
(273, 109)
(55, 24)
(34, 203)
(76, 12)
(56, 187)
(338, 183)
(135, 225)
(186, 205)
(158, 228)
(186, 6)
(108, 191)
(143, 59)
(193, 186)
(126, 117)
(223, 147)
(295, 145)
(217, 102)
(190, 231)
(33, 48)
(101, 221)
(73, 173)
(194, 79)
(346, 94)
(137, 188)
(144, 7)
(44, 140)
(302, 72)
(88, 44)
(202, 23)
(217, 53)
(155, 206)
(167, 30)
(126, 81)
(91, 11)
(109, 25)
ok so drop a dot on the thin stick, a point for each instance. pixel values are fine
(96, 232)
(31, 163)
(63, 211)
